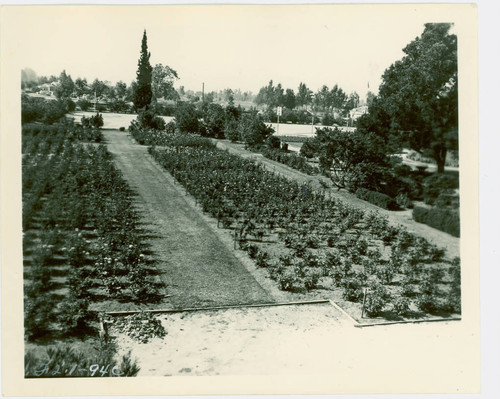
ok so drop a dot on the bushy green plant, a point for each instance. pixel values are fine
(352, 288)
(379, 199)
(437, 184)
(401, 306)
(446, 220)
(377, 298)
(186, 117)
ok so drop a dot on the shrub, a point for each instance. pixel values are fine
(122, 129)
(378, 199)
(352, 288)
(289, 279)
(401, 306)
(148, 119)
(446, 220)
(311, 277)
(253, 131)
(439, 183)
(186, 117)
(403, 200)
(141, 326)
(274, 142)
(376, 299)
(93, 121)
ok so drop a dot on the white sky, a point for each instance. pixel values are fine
(224, 46)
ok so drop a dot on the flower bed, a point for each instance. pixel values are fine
(308, 241)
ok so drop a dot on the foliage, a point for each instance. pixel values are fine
(93, 121)
(214, 120)
(143, 93)
(141, 327)
(81, 189)
(401, 306)
(379, 199)
(162, 82)
(65, 87)
(295, 161)
(186, 117)
(420, 92)
(437, 184)
(377, 298)
(446, 220)
(352, 160)
(252, 130)
(38, 109)
(83, 104)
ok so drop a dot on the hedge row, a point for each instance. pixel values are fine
(446, 220)
(379, 199)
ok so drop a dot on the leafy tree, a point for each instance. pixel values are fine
(65, 87)
(369, 98)
(162, 83)
(99, 88)
(420, 92)
(253, 131)
(229, 97)
(351, 159)
(186, 117)
(214, 121)
(131, 91)
(267, 95)
(121, 89)
(352, 102)
(81, 87)
(143, 93)
(304, 95)
(289, 99)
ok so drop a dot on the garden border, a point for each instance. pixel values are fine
(262, 305)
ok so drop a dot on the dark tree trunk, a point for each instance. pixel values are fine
(440, 156)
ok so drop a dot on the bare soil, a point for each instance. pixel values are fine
(302, 339)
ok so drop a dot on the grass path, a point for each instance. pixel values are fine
(404, 218)
(199, 269)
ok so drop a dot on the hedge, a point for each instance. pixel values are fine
(379, 199)
(446, 220)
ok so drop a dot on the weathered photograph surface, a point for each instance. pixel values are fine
(235, 191)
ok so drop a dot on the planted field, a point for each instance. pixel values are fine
(83, 245)
(308, 242)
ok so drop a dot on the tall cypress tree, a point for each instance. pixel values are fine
(143, 93)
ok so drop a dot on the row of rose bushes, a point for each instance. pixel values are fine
(241, 193)
(80, 224)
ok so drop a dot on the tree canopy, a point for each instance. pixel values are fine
(420, 92)
(162, 84)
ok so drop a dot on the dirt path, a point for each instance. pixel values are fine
(298, 340)
(403, 218)
(199, 269)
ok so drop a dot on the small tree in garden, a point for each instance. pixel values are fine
(253, 130)
(143, 93)
(214, 119)
(186, 117)
(351, 159)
